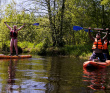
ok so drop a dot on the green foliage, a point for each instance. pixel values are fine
(104, 2)
(30, 33)
(25, 44)
(85, 13)
(78, 50)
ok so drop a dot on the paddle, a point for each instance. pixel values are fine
(37, 24)
(77, 28)
(100, 29)
(86, 30)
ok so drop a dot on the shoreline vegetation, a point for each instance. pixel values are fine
(83, 51)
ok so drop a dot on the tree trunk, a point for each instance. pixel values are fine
(61, 41)
(51, 23)
(57, 31)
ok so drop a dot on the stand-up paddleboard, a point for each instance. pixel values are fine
(96, 65)
(14, 57)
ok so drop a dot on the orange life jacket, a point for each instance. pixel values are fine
(105, 46)
(97, 44)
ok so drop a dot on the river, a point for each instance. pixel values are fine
(51, 75)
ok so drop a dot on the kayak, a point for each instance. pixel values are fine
(14, 57)
(96, 65)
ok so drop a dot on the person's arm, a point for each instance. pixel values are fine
(8, 26)
(20, 27)
(105, 37)
(90, 35)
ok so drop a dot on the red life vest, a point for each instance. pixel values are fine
(97, 44)
(13, 33)
(105, 45)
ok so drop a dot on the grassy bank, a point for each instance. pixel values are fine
(68, 50)
(43, 49)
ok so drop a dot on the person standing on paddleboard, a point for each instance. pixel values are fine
(97, 46)
(13, 35)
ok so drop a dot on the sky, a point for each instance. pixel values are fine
(22, 4)
(5, 2)
(9, 1)
(18, 2)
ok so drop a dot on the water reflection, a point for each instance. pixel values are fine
(95, 79)
(41, 75)
(55, 77)
(11, 74)
(65, 76)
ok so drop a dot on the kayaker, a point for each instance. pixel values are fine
(105, 49)
(13, 35)
(97, 46)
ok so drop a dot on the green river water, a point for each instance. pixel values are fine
(51, 75)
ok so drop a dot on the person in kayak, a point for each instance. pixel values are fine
(105, 49)
(13, 35)
(97, 46)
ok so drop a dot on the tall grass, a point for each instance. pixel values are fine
(78, 50)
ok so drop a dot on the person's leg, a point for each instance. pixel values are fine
(11, 46)
(105, 55)
(15, 45)
(102, 58)
(93, 56)
(108, 57)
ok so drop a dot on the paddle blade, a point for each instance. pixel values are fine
(37, 24)
(76, 28)
(86, 30)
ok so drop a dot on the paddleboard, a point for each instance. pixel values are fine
(14, 57)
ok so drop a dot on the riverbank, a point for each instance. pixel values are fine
(83, 51)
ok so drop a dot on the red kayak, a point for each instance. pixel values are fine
(96, 65)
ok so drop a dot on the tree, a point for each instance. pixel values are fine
(55, 10)
(56, 18)
(29, 33)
